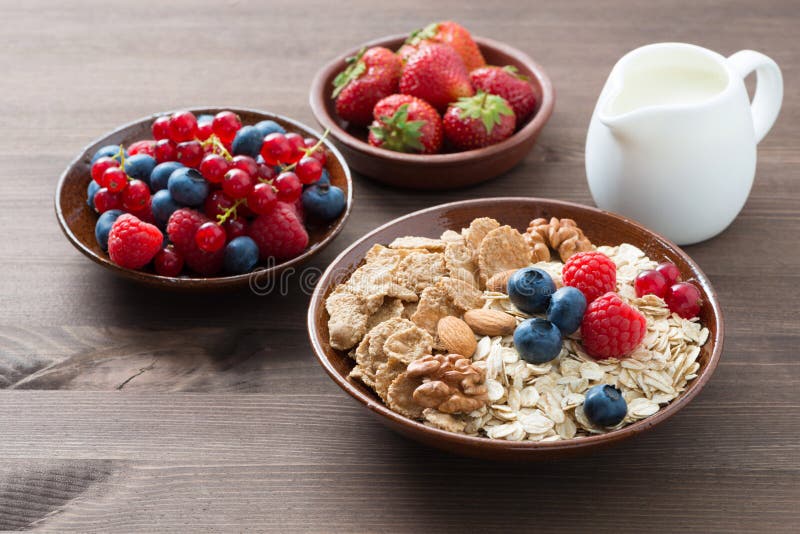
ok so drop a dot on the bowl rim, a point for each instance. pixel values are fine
(208, 281)
(318, 98)
(379, 408)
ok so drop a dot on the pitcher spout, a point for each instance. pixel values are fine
(619, 122)
(660, 79)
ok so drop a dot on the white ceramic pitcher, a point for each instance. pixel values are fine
(672, 141)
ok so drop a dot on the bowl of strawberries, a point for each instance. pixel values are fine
(435, 109)
(205, 198)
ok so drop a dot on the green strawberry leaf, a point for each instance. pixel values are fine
(355, 68)
(485, 107)
(423, 34)
(511, 69)
(399, 134)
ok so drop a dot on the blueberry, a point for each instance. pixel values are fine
(268, 127)
(325, 178)
(205, 117)
(529, 289)
(241, 255)
(324, 202)
(140, 166)
(604, 405)
(537, 340)
(91, 189)
(109, 150)
(248, 141)
(160, 175)
(187, 186)
(163, 205)
(103, 227)
(566, 309)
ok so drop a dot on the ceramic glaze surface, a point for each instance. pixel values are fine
(672, 141)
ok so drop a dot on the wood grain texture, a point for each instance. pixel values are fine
(125, 409)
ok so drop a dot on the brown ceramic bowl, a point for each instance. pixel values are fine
(77, 220)
(601, 227)
(436, 171)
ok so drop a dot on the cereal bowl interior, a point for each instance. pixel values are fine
(602, 229)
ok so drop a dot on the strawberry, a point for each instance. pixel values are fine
(478, 121)
(436, 74)
(508, 83)
(449, 33)
(371, 75)
(404, 123)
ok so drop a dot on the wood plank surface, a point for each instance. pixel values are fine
(126, 409)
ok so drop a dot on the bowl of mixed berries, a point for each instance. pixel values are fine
(204, 198)
(435, 109)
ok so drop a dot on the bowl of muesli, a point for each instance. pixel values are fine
(516, 328)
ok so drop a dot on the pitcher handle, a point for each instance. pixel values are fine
(769, 88)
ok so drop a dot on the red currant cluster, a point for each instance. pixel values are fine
(664, 281)
(117, 190)
(227, 173)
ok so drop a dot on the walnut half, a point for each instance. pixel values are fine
(563, 236)
(449, 383)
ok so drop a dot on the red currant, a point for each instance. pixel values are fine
(246, 163)
(165, 151)
(237, 183)
(100, 166)
(262, 198)
(308, 170)
(217, 203)
(266, 173)
(275, 149)
(213, 168)
(225, 125)
(182, 126)
(135, 196)
(670, 272)
(105, 200)
(319, 153)
(289, 187)
(684, 299)
(204, 130)
(210, 237)
(145, 213)
(235, 227)
(168, 262)
(650, 283)
(190, 153)
(114, 179)
(146, 146)
(160, 128)
(296, 147)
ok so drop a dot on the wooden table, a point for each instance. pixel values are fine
(127, 409)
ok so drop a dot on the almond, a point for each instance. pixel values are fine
(490, 322)
(456, 336)
(499, 282)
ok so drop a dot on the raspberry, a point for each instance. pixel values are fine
(592, 272)
(279, 233)
(182, 226)
(181, 229)
(301, 212)
(132, 243)
(611, 328)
